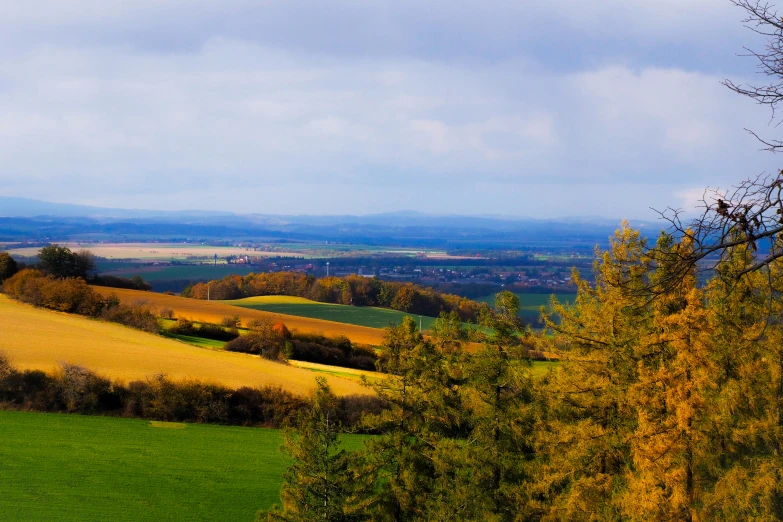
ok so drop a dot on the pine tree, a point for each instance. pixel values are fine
(499, 396)
(398, 457)
(318, 485)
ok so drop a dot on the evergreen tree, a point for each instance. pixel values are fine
(499, 449)
(398, 458)
(319, 484)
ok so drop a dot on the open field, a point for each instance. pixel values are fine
(214, 311)
(75, 468)
(530, 304)
(356, 315)
(150, 252)
(34, 338)
(152, 273)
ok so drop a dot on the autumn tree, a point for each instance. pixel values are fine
(60, 262)
(590, 421)
(8, 266)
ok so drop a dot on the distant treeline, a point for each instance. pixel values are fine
(355, 290)
(74, 389)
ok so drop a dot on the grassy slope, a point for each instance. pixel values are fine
(71, 467)
(356, 315)
(214, 311)
(34, 338)
(530, 304)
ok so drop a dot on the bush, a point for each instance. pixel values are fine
(230, 321)
(65, 295)
(271, 348)
(8, 266)
(136, 283)
(136, 316)
(78, 390)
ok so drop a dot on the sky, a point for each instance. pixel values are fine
(501, 107)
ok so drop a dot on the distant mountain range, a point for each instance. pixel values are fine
(29, 219)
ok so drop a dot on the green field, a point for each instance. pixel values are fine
(153, 273)
(72, 467)
(346, 314)
(530, 304)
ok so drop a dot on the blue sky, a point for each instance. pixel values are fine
(524, 108)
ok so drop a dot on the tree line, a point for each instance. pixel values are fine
(667, 405)
(74, 389)
(349, 290)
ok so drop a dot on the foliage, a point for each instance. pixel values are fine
(135, 283)
(8, 266)
(351, 290)
(319, 484)
(667, 403)
(60, 262)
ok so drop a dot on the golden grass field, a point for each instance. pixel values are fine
(153, 251)
(214, 311)
(35, 338)
(276, 299)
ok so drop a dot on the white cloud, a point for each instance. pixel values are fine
(181, 103)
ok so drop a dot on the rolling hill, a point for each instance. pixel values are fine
(35, 338)
(214, 311)
(356, 315)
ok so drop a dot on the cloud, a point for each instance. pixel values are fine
(296, 105)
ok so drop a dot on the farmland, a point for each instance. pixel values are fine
(530, 304)
(41, 339)
(155, 272)
(150, 252)
(214, 311)
(101, 468)
(355, 315)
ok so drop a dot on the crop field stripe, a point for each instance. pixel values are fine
(214, 311)
(355, 315)
(76, 468)
(40, 339)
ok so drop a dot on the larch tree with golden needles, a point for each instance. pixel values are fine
(590, 421)
(745, 431)
(669, 398)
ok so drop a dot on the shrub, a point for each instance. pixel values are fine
(8, 266)
(136, 316)
(136, 283)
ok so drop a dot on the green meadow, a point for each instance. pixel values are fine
(76, 468)
(346, 314)
(530, 304)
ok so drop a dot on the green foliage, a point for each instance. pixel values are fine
(667, 403)
(8, 266)
(60, 262)
(319, 484)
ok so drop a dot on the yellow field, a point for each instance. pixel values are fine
(214, 311)
(153, 251)
(275, 299)
(348, 373)
(41, 339)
